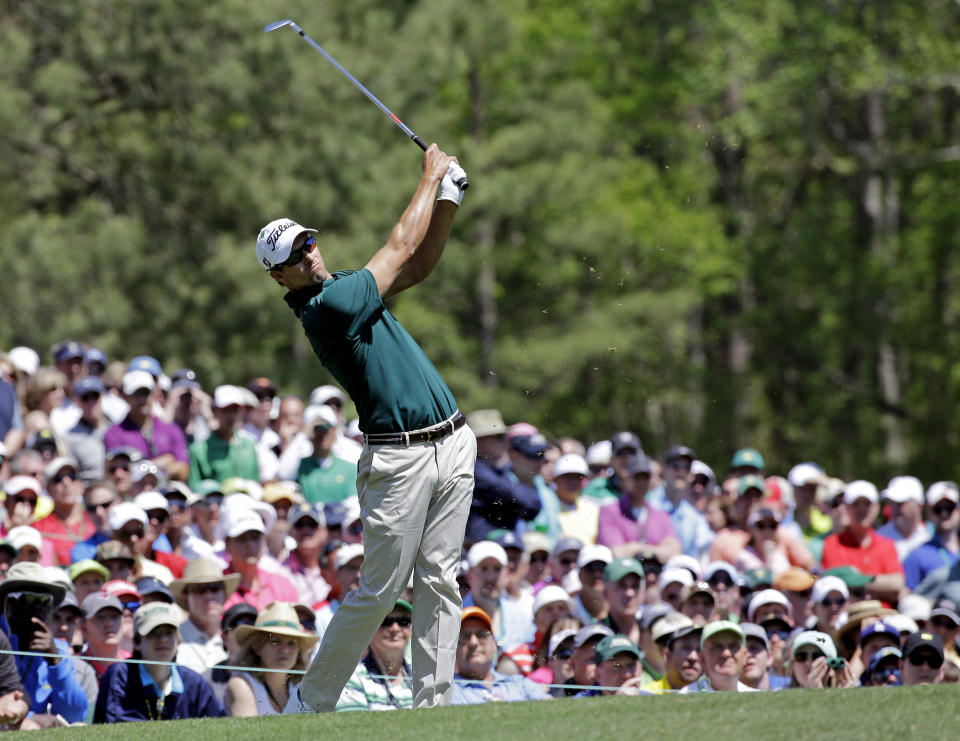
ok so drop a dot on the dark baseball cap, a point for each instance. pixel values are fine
(148, 585)
(185, 377)
(680, 451)
(93, 603)
(588, 632)
(87, 385)
(625, 441)
(638, 464)
(67, 350)
(233, 614)
(531, 446)
(916, 641)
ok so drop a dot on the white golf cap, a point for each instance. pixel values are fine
(57, 465)
(322, 394)
(124, 512)
(826, 584)
(346, 553)
(915, 606)
(484, 549)
(23, 535)
(767, 597)
(135, 380)
(599, 453)
(806, 473)
(699, 468)
(242, 521)
(675, 576)
(559, 637)
(24, 359)
(320, 414)
(149, 500)
(715, 567)
(591, 553)
(275, 241)
(903, 489)
(684, 561)
(860, 489)
(571, 463)
(227, 395)
(942, 490)
(549, 594)
(902, 623)
(18, 484)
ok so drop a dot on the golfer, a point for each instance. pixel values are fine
(415, 475)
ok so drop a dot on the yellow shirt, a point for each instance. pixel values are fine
(581, 521)
(657, 688)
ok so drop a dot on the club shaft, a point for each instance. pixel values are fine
(461, 183)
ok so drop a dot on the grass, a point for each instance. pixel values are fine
(921, 713)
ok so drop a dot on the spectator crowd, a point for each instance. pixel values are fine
(173, 551)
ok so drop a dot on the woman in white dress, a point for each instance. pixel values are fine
(276, 641)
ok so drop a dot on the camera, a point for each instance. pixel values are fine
(21, 607)
(836, 663)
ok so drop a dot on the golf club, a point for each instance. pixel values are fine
(460, 183)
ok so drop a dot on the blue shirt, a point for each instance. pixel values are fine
(513, 626)
(512, 688)
(692, 528)
(925, 559)
(499, 501)
(52, 688)
(128, 693)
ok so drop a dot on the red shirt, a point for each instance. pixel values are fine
(273, 587)
(64, 539)
(880, 557)
(172, 561)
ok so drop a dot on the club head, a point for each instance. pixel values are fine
(278, 24)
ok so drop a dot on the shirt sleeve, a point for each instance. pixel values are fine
(9, 676)
(68, 697)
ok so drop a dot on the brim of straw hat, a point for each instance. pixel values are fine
(246, 633)
(178, 586)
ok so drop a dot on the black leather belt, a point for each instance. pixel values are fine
(426, 435)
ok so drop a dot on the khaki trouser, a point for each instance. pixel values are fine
(414, 503)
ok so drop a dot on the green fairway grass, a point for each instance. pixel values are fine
(920, 713)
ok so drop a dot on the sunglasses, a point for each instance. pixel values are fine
(63, 476)
(132, 605)
(211, 500)
(943, 623)
(919, 658)
(944, 510)
(538, 558)
(766, 525)
(833, 601)
(118, 467)
(206, 588)
(161, 516)
(90, 397)
(94, 508)
(563, 653)
(32, 599)
(127, 534)
(882, 675)
(17, 499)
(355, 529)
(681, 464)
(177, 505)
(653, 568)
(306, 523)
(802, 657)
(779, 633)
(404, 621)
(721, 578)
(238, 622)
(568, 562)
(297, 255)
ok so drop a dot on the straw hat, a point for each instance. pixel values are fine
(277, 618)
(202, 571)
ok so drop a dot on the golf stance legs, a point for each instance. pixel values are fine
(414, 504)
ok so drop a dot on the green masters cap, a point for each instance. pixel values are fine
(757, 578)
(747, 457)
(850, 575)
(720, 626)
(405, 605)
(751, 481)
(617, 644)
(620, 567)
(85, 566)
(207, 487)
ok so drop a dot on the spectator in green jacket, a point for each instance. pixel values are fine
(225, 453)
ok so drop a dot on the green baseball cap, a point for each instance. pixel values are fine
(402, 603)
(616, 644)
(720, 626)
(747, 457)
(751, 481)
(850, 575)
(85, 566)
(620, 567)
(207, 487)
(757, 578)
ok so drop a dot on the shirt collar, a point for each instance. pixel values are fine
(173, 686)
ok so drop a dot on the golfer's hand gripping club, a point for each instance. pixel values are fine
(449, 190)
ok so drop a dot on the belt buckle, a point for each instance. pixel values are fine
(433, 434)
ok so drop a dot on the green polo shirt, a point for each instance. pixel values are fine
(390, 379)
(330, 480)
(215, 459)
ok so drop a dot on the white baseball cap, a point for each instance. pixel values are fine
(942, 490)
(484, 549)
(322, 394)
(903, 489)
(806, 473)
(549, 594)
(243, 521)
(149, 500)
(767, 597)
(346, 553)
(559, 637)
(316, 413)
(123, 512)
(227, 395)
(275, 241)
(24, 359)
(571, 463)
(23, 535)
(826, 584)
(714, 567)
(860, 489)
(599, 453)
(17, 484)
(684, 561)
(591, 553)
(135, 380)
(677, 575)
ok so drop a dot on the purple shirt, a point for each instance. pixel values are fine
(166, 438)
(618, 526)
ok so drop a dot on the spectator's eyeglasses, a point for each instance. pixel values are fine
(215, 588)
(161, 516)
(89, 398)
(307, 523)
(18, 498)
(568, 561)
(919, 658)
(263, 395)
(211, 500)
(128, 534)
(71, 475)
(94, 508)
(944, 510)
(297, 254)
(802, 657)
(653, 568)
(480, 635)
(595, 566)
(943, 623)
(563, 653)
(756, 647)
(238, 622)
(404, 621)
(538, 557)
(176, 505)
(681, 464)
(882, 675)
(780, 633)
(721, 578)
(118, 466)
(833, 601)
(765, 525)
(355, 529)
(132, 605)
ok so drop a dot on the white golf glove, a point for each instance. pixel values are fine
(448, 189)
